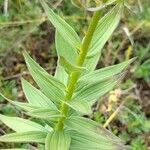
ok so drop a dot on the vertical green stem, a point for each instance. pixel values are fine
(75, 75)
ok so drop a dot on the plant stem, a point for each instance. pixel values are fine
(6, 7)
(113, 115)
(75, 75)
(18, 23)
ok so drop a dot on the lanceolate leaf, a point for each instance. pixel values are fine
(104, 73)
(35, 97)
(105, 28)
(65, 50)
(35, 111)
(24, 137)
(21, 125)
(87, 134)
(51, 87)
(35, 66)
(83, 141)
(66, 31)
(91, 92)
(57, 140)
(84, 125)
(69, 67)
(44, 113)
(24, 106)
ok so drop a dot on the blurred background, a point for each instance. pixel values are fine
(24, 26)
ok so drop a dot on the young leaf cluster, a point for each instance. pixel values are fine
(64, 98)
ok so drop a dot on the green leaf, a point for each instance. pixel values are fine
(87, 134)
(24, 106)
(104, 30)
(61, 74)
(35, 66)
(35, 111)
(69, 67)
(104, 73)
(89, 126)
(51, 87)
(91, 92)
(66, 31)
(65, 50)
(44, 113)
(35, 97)
(21, 125)
(80, 106)
(24, 137)
(83, 141)
(57, 140)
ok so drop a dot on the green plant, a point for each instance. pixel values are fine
(138, 144)
(142, 69)
(64, 98)
(21, 20)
